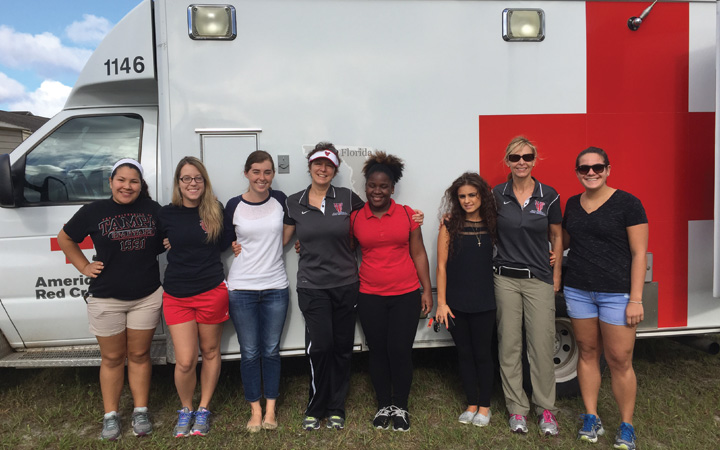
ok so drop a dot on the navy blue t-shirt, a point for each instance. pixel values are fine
(194, 265)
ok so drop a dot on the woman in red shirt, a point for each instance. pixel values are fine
(394, 265)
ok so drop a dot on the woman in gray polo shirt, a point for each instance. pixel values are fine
(327, 284)
(525, 286)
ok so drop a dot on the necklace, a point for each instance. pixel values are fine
(476, 233)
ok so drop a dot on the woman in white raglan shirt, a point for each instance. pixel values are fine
(258, 285)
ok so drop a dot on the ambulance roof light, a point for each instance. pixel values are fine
(521, 24)
(216, 22)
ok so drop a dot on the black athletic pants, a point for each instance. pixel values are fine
(329, 332)
(472, 334)
(389, 324)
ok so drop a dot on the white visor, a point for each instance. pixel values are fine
(327, 154)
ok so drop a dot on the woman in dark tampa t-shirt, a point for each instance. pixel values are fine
(606, 230)
(125, 296)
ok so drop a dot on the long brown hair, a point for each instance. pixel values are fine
(209, 210)
(451, 206)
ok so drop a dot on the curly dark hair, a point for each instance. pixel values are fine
(454, 214)
(383, 162)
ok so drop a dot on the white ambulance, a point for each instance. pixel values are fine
(443, 84)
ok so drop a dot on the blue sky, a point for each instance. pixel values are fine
(45, 43)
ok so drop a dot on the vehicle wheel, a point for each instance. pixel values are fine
(565, 357)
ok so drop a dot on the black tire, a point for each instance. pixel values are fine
(565, 358)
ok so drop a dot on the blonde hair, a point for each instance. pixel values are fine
(519, 141)
(209, 210)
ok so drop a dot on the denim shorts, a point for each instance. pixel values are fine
(608, 306)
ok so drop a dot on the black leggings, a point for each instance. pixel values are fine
(472, 334)
(389, 324)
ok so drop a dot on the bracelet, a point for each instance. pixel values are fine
(632, 301)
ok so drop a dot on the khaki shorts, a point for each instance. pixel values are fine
(110, 316)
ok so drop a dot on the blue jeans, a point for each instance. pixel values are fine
(259, 318)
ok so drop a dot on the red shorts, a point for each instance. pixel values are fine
(210, 307)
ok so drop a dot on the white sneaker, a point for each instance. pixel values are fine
(466, 417)
(481, 420)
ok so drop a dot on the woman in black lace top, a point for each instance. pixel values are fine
(466, 293)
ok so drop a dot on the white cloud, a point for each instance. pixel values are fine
(46, 101)
(10, 90)
(41, 52)
(91, 30)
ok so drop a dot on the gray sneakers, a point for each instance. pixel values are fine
(201, 426)
(548, 424)
(518, 423)
(141, 425)
(111, 428)
(184, 423)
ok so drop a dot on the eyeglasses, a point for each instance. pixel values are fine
(526, 157)
(597, 168)
(187, 179)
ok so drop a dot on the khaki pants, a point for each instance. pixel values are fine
(535, 301)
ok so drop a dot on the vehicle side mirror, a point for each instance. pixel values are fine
(7, 194)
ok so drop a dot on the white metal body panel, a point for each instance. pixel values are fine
(54, 314)
(703, 308)
(121, 71)
(701, 70)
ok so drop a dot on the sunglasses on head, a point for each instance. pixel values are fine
(515, 158)
(597, 168)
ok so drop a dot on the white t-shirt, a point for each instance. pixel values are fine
(259, 230)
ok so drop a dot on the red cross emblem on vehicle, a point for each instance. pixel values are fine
(86, 244)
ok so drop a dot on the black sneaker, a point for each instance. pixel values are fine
(335, 422)
(400, 419)
(310, 423)
(381, 421)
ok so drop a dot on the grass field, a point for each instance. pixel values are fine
(678, 407)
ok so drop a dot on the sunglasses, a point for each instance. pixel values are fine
(597, 168)
(515, 158)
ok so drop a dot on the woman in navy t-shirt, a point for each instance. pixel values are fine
(606, 230)
(195, 301)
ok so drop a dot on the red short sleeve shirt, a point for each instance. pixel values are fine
(387, 267)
